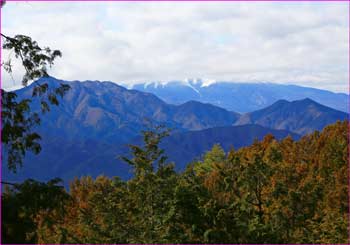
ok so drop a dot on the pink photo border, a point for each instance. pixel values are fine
(183, 1)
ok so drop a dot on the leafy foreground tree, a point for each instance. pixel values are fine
(114, 211)
(270, 192)
(17, 117)
(21, 203)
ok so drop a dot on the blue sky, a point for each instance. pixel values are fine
(130, 42)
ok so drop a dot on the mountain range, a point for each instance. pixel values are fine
(95, 120)
(301, 116)
(240, 97)
(95, 110)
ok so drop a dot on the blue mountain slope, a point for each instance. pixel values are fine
(300, 116)
(104, 110)
(67, 159)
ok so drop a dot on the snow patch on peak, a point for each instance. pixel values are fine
(128, 85)
(190, 82)
(146, 84)
(155, 84)
(202, 82)
(208, 82)
(193, 81)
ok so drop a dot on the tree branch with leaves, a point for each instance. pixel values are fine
(17, 118)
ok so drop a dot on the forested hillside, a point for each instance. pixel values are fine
(67, 159)
(270, 192)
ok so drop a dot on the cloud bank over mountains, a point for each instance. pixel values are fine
(299, 43)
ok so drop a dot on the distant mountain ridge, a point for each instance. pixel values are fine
(95, 120)
(93, 110)
(240, 97)
(301, 116)
(106, 110)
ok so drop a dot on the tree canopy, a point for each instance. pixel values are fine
(270, 192)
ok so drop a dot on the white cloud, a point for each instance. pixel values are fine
(301, 43)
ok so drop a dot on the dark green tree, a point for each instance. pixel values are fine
(152, 187)
(22, 203)
(18, 119)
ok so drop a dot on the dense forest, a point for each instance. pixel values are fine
(270, 192)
